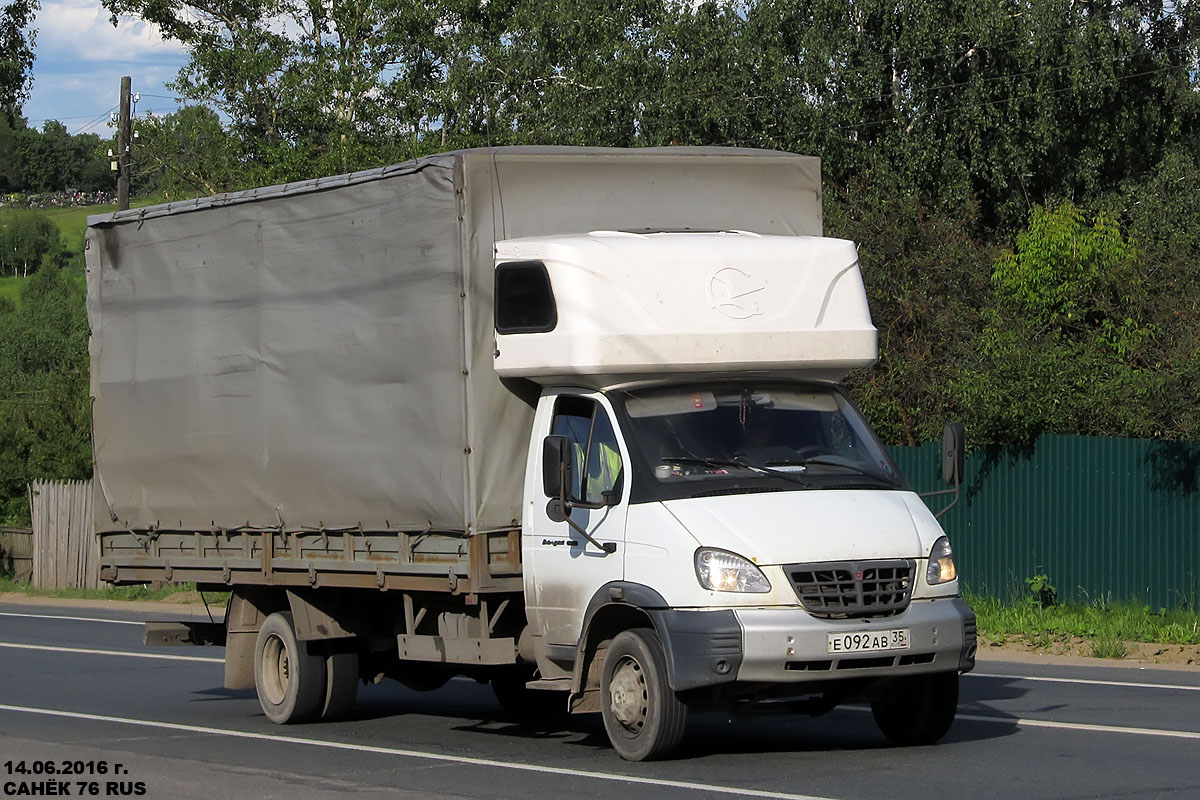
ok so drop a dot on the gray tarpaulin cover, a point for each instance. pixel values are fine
(320, 354)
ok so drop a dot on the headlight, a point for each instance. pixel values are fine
(941, 563)
(723, 571)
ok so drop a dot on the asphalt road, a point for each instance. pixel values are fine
(88, 691)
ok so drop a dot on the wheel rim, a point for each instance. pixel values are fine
(628, 697)
(276, 669)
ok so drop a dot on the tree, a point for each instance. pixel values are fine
(10, 165)
(16, 55)
(533, 71)
(311, 87)
(1161, 211)
(45, 422)
(1073, 275)
(1010, 103)
(927, 285)
(52, 160)
(1066, 336)
(184, 154)
(28, 241)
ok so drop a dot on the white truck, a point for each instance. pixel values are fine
(565, 420)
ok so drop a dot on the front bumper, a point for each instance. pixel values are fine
(789, 645)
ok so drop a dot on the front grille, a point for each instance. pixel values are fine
(909, 660)
(853, 588)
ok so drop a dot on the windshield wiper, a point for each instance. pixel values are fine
(736, 462)
(834, 461)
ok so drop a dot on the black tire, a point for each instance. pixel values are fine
(642, 715)
(289, 678)
(918, 710)
(341, 685)
(533, 705)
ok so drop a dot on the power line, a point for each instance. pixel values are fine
(92, 119)
(63, 119)
(183, 99)
(96, 119)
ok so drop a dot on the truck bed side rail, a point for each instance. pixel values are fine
(454, 562)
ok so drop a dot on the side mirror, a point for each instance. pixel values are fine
(558, 466)
(953, 454)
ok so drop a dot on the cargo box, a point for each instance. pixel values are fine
(319, 356)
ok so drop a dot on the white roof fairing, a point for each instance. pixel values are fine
(633, 305)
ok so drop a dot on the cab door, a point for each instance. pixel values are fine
(563, 570)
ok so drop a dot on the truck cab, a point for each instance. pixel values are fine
(708, 520)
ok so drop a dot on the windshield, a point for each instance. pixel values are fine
(790, 436)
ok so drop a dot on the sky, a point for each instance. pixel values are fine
(80, 58)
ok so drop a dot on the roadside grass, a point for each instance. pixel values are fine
(215, 599)
(1105, 626)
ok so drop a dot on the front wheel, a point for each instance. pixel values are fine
(642, 715)
(289, 679)
(919, 709)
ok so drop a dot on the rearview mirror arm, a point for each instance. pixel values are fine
(953, 465)
(956, 491)
(606, 547)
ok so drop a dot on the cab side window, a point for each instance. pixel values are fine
(598, 466)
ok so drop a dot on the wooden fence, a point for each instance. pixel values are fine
(65, 550)
(16, 553)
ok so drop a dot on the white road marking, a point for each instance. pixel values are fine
(123, 654)
(74, 619)
(395, 751)
(1088, 682)
(1083, 726)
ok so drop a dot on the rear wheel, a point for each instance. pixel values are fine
(642, 715)
(289, 678)
(919, 709)
(341, 685)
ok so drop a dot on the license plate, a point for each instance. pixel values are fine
(867, 641)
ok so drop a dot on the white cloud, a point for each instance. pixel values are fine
(80, 58)
(81, 29)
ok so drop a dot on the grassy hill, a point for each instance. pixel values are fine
(10, 288)
(72, 222)
(72, 225)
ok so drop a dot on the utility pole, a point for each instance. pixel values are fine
(124, 143)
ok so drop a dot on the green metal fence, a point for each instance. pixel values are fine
(1104, 519)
